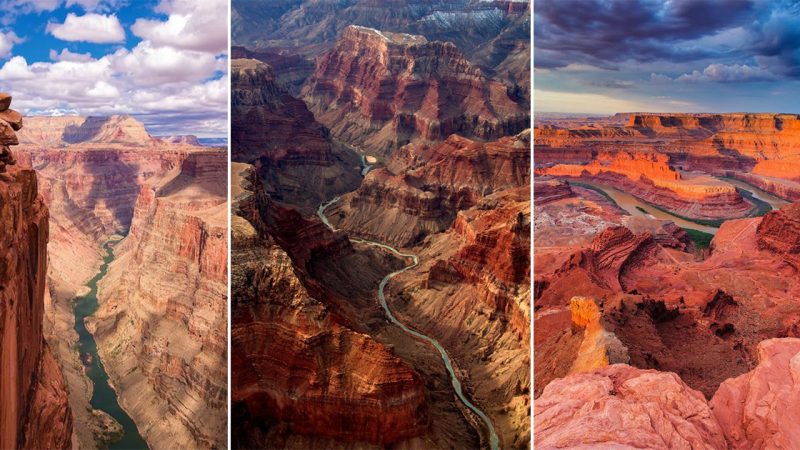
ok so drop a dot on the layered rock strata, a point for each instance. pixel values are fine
(649, 177)
(34, 410)
(294, 155)
(161, 326)
(334, 384)
(382, 90)
(432, 185)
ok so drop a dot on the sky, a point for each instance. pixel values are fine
(608, 56)
(161, 61)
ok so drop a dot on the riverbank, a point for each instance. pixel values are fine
(103, 397)
(456, 383)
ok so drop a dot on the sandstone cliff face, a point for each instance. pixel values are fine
(760, 148)
(300, 375)
(309, 24)
(382, 90)
(437, 182)
(62, 131)
(295, 157)
(779, 232)
(34, 412)
(161, 326)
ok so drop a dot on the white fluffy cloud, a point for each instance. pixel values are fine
(90, 27)
(734, 73)
(7, 41)
(172, 80)
(192, 25)
(67, 55)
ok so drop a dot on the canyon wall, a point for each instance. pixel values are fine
(161, 326)
(34, 411)
(91, 171)
(285, 339)
(381, 90)
(294, 155)
(650, 177)
(432, 183)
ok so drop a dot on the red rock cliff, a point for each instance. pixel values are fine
(161, 327)
(296, 366)
(34, 411)
(381, 90)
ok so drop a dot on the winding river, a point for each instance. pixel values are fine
(103, 397)
(636, 207)
(493, 439)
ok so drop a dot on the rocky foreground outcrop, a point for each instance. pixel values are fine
(298, 162)
(381, 90)
(161, 326)
(620, 405)
(301, 374)
(34, 411)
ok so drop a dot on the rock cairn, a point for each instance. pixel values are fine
(10, 122)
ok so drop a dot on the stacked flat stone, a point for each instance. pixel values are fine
(10, 122)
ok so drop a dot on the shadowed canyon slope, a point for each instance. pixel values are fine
(431, 145)
(285, 340)
(34, 410)
(677, 231)
(106, 177)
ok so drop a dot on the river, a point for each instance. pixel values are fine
(493, 439)
(632, 204)
(103, 397)
(764, 196)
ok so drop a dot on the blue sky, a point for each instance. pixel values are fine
(607, 56)
(162, 61)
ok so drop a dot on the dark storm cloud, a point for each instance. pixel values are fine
(601, 32)
(776, 39)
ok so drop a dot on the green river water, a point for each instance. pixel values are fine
(103, 397)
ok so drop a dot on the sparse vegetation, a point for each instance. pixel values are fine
(700, 239)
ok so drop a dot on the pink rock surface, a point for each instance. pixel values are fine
(761, 409)
(623, 407)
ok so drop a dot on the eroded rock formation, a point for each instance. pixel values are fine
(299, 369)
(620, 405)
(294, 155)
(161, 327)
(381, 90)
(432, 184)
(99, 178)
(34, 411)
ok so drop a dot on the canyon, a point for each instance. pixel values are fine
(381, 230)
(666, 267)
(160, 329)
